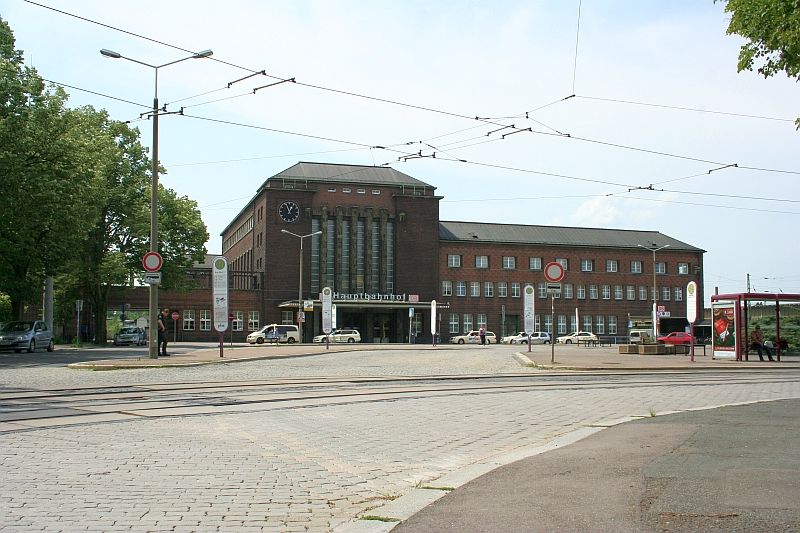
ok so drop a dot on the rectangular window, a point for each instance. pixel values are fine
(612, 265)
(253, 320)
(636, 267)
(331, 189)
(461, 288)
(661, 267)
(488, 289)
(562, 324)
(548, 323)
(600, 324)
(683, 268)
(593, 292)
(642, 293)
(630, 292)
(537, 322)
(606, 292)
(581, 292)
(612, 325)
(542, 290)
(573, 323)
(567, 291)
(375, 259)
(360, 253)
(205, 320)
(666, 293)
(509, 262)
(454, 261)
(587, 323)
(238, 321)
(361, 191)
(376, 192)
(467, 322)
(652, 293)
(346, 189)
(563, 263)
(447, 288)
(502, 289)
(474, 288)
(618, 292)
(287, 317)
(587, 265)
(344, 263)
(481, 261)
(453, 323)
(678, 294)
(515, 290)
(188, 320)
(535, 263)
(481, 320)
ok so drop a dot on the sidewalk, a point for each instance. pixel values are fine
(567, 357)
(728, 469)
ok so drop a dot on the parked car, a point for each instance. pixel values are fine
(288, 333)
(537, 337)
(130, 335)
(473, 337)
(640, 336)
(340, 335)
(26, 335)
(676, 337)
(576, 337)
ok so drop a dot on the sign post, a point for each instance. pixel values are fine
(175, 317)
(327, 311)
(691, 312)
(220, 296)
(78, 309)
(410, 323)
(528, 311)
(433, 321)
(554, 273)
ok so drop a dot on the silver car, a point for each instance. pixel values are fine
(130, 335)
(26, 335)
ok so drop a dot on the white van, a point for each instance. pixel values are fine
(640, 336)
(275, 333)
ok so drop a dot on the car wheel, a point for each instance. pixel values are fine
(523, 342)
(32, 346)
(568, 342)
(260, 340)
(460, 341)
(290, 340)
(546, 342)
(51, 346)
(351, 339)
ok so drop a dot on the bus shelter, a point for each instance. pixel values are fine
(730, 322)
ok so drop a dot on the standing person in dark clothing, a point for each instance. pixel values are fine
(482, 335)
(162, 333)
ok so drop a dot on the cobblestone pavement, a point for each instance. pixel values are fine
(303, 469)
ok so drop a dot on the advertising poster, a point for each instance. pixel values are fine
(723, 326)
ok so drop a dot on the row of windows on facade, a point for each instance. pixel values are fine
(245, 228)
(595, 292)
(599, 324)
(509, 262)
(191, 319)
(336, 271)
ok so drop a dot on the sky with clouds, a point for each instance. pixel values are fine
(377, 81)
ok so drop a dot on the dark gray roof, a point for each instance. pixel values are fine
(557, 235)
(356, 174)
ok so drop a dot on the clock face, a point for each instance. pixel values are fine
(289, 211)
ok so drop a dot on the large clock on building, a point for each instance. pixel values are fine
(289, 211)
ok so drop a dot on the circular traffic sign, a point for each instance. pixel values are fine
(152, 261)
(554, 272)
(175, 315)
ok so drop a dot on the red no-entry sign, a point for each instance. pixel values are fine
(152, 261)
(554, 272)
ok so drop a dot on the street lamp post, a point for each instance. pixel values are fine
(300, 285)
(153, 349)
(654, 248)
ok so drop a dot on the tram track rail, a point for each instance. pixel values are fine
(25, 409)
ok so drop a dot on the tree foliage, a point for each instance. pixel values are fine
(772, 28)
(76, 198)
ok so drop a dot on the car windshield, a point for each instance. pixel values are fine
(18, 326)
(128, 331)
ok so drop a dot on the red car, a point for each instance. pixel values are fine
(677, 337)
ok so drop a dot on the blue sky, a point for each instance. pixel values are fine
(487, 59)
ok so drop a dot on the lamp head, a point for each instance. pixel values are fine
(110, 53)
(204, 53)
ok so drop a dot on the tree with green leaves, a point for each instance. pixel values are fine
(49, 178)
(772, 28)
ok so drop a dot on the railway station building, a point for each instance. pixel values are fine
(374, 236)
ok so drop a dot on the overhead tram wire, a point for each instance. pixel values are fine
(422, 108)
(577, 36)
(198, 163)
(697, 204)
